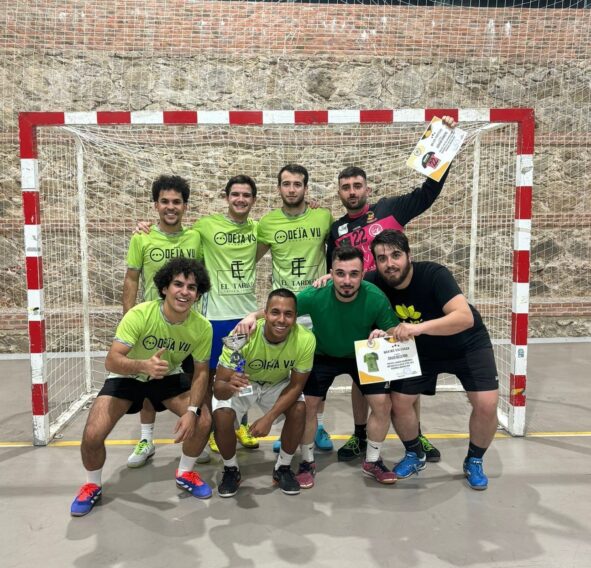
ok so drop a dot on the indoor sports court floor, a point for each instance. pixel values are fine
(535, 512)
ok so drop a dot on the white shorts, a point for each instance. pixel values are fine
(264, 395)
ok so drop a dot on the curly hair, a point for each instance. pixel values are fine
(174, 183)
(186, 267)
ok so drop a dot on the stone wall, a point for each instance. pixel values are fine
(226, 55)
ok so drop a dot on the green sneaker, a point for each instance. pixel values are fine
(432, 453)
(142, 452)
(354, 448)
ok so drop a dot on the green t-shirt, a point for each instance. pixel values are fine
(371, 360)
(229, 252)
(337, 325)
(272, 362)
(297, 246)
(148, 253)
(145, 329)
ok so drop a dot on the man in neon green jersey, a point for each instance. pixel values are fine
(229, 245)
(147, 253)
(296, 234)
(275, 364)
(144, 361)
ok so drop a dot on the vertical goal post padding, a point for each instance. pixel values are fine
(30, 122)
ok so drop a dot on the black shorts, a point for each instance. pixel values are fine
(476, 370)
(326, 368)
(156, 390)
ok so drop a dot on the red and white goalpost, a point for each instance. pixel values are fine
(85, 193)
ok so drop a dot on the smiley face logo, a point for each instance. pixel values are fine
(156, 255)
(220, 238)
(280, 236)
(256, 365)
(150, 342)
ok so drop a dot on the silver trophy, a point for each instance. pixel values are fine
(235, 343)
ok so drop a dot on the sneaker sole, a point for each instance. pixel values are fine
(414, 472)
(180, 486)
(307, 485)
(141, 464)
(294, 492)
(225, 495)
(73, 514)
(327, 449)
(249, 446)
(383, 482)
(476, 487)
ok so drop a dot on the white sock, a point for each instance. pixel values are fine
(186, 463)
(307, 452)
(95, 476)
(320, 419)
(372, 453)
(283, 459)
(147, 432)
(232, 462)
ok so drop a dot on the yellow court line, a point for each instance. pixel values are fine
(163, 441)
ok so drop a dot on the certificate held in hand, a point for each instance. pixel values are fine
(385, 359)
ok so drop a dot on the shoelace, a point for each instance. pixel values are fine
(324, 435)
(192, 477)
(352, 443)
(141, 446)
(427, 446)
(87, 491)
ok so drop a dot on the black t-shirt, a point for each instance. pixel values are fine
(387, 213)
(431, 287)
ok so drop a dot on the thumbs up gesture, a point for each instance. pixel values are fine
(156, 367)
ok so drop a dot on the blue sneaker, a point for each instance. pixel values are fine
(191, 482)
(322, 440)
(277, 446)
(410, 464)
(475, 474)
(88, 495)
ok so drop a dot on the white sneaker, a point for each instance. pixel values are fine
(204, 456)
(142, 452)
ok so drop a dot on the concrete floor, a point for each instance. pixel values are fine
(534, 514)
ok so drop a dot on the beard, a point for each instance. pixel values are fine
(396, 278)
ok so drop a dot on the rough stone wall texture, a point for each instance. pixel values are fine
(136, 55)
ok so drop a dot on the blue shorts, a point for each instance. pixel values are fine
(221, 328)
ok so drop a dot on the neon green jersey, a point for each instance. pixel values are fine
(145, 329)
(229, 252)
(297, 246)
(271, 362)
(148, 253)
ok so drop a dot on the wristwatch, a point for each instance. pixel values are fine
(195, 410)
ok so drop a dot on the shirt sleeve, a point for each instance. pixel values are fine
(130, 328)
(386, 316)
(202, 351)
(305, 358)
(262, 232)
(135, 254)
(304, 301)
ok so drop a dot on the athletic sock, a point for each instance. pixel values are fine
(186, 463)
(95, 476)
(147, 432)
(232, 462)
(475, 451)
(244, 420)
(320, 419)
(283, 459)
(372, 453)
(361, 431)
(307, 452)
(415, 446)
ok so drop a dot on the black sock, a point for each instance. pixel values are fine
(360, 431)
(475, 451)
(414, 446)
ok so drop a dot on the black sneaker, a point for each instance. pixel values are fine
(354, 448)
(230, 482)
(286, 480)
(432, 453)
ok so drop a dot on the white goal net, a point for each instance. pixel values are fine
(95, 184)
